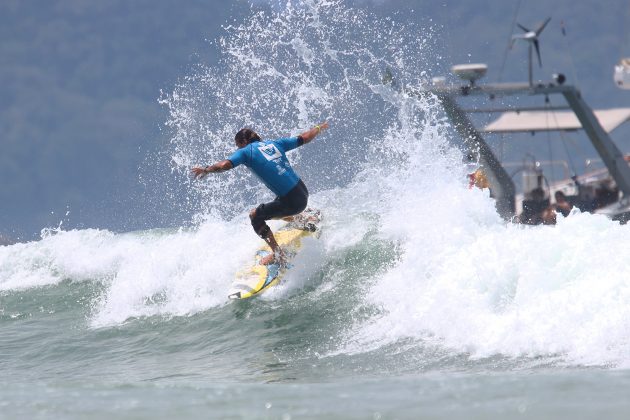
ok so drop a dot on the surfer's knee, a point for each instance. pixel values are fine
(258, 223)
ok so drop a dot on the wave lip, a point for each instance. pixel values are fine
(140, 273)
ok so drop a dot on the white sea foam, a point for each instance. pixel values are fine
(59, 255)
(142, 273)
(471, 282)
(303, 269)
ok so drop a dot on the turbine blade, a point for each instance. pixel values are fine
(542, 26)
(537, 52)
(522, 27)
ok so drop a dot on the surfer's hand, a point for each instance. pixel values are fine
(309, 135)
(199, 172)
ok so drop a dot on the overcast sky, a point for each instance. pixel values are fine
(79, 112)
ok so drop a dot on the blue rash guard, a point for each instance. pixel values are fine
(268, 160)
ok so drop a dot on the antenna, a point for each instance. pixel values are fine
(531, 37)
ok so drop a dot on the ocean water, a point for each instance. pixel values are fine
(418, 300)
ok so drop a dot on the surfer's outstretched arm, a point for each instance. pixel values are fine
(222, 166)
(309, 135)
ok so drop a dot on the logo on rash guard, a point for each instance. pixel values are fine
(270, 151)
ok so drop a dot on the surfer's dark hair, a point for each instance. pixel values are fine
(246, 135)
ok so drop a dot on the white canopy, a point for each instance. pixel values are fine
(532, 121)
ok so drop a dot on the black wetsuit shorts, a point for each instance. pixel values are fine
(288, 205)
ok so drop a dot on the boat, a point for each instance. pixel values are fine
(604, 190)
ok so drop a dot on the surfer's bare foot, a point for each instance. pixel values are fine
(307, 220)
(266, 260)
(277, 258)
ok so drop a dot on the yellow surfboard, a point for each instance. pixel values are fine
(258, 278)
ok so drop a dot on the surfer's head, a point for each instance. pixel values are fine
(245, 137)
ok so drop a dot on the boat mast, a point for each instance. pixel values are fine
(606, 148)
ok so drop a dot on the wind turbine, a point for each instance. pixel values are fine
(531, 37)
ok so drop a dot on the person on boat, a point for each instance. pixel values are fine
(478, 179)
(605, 194)
(548, 216)
(268, 160)
(534, 207)
(562, 204)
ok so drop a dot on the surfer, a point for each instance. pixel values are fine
(268, 160)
